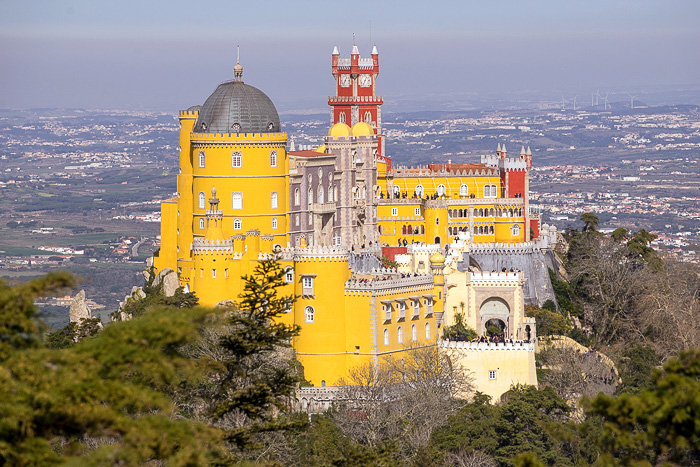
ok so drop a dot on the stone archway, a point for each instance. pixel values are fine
(495, 326)
(495, 308)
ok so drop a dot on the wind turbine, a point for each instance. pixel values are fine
(605, 100)
(592, 101)
(563, 102)
(632, 98)
(597, 96)
(575, 101)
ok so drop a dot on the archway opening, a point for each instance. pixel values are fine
(437, 240)
(495, 327)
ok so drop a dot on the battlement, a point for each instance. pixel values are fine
(386, 280)
(495, 276)
(189, 114)
(437, 170)
(502, 248)
(355, 100)
(202, 246)
(487, 346)
(280, 137)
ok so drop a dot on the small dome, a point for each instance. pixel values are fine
(236, 107)
(437, 258)
(340, 130)
(362, 129)
(321, 148)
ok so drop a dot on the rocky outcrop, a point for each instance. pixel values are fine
(170, 282)
(79, 309)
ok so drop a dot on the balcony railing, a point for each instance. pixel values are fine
(323, 208)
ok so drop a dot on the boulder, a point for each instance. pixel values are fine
(79, 309)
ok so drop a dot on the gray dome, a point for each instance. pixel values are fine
(236, 107)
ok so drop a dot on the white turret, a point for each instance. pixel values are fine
(335, 50)
(374, 50)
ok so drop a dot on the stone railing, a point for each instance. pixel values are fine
(495, 276)
(377, 285)
(464, 345)
(323, 208)
(447, 202)
(204, 246)
(387, 201)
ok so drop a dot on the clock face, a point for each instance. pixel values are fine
(365, 81)
(345, 80)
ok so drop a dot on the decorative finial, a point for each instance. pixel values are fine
(353, 39)
(238, 69)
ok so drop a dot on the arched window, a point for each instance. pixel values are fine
(419, 191)
(309, 314)
(427, 330)
(202, 200)
(441, 190)
(201, 223)
(414, 333)
(491, 230)
(311, 196)
(330, 194)
(273, 200)
(397, 190)
(463, 190)
(399, 335)
(368, 117)
(386, 337)
(341, 117)
(515, 230)
(297, 198)
(476, 230)
(335, 192)
(320, 194)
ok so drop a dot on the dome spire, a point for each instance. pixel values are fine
(238, 69)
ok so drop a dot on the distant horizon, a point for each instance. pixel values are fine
(167, 55)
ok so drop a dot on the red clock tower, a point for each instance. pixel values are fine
(355, 99)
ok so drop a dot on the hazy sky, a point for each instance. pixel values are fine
(168, 55)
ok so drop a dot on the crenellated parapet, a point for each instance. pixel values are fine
(320, 253)
(495, 279)
(203, 246)
(388, 281)
(487, 346)
(470, 170)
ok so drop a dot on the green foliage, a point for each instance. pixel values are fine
(565, 296)
(155, 297)
(73, 332)
(387, 263)
(503, 431)
(620, 234)
(590, 222)
(458, 331)
(661, 422)
(105, 400)
(549, 322)
(636, 366)
(19, 328)
(251, 387)
(639, 247)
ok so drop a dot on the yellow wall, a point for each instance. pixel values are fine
(513, 366)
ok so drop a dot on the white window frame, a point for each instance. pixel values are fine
(414, 333)
(429, 306)
(201, 223)
(274, 200)
(237, 223)
(274, 223)
(237, 200)
(394, 212)
(416, 308)
(307, 284)
(416, 212)
(399, 335)
(273, 158)
(419, 191)
(297, 197)
(289, 276)
(213, 273)
(386, 337)
(202, 159)
(236, 159)
(202, 200)
(402, 310)
(493, 374)
(464, 190)
(427, 331)
(309, 314)
(515, 230)
(441, 190)
(387, 312)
